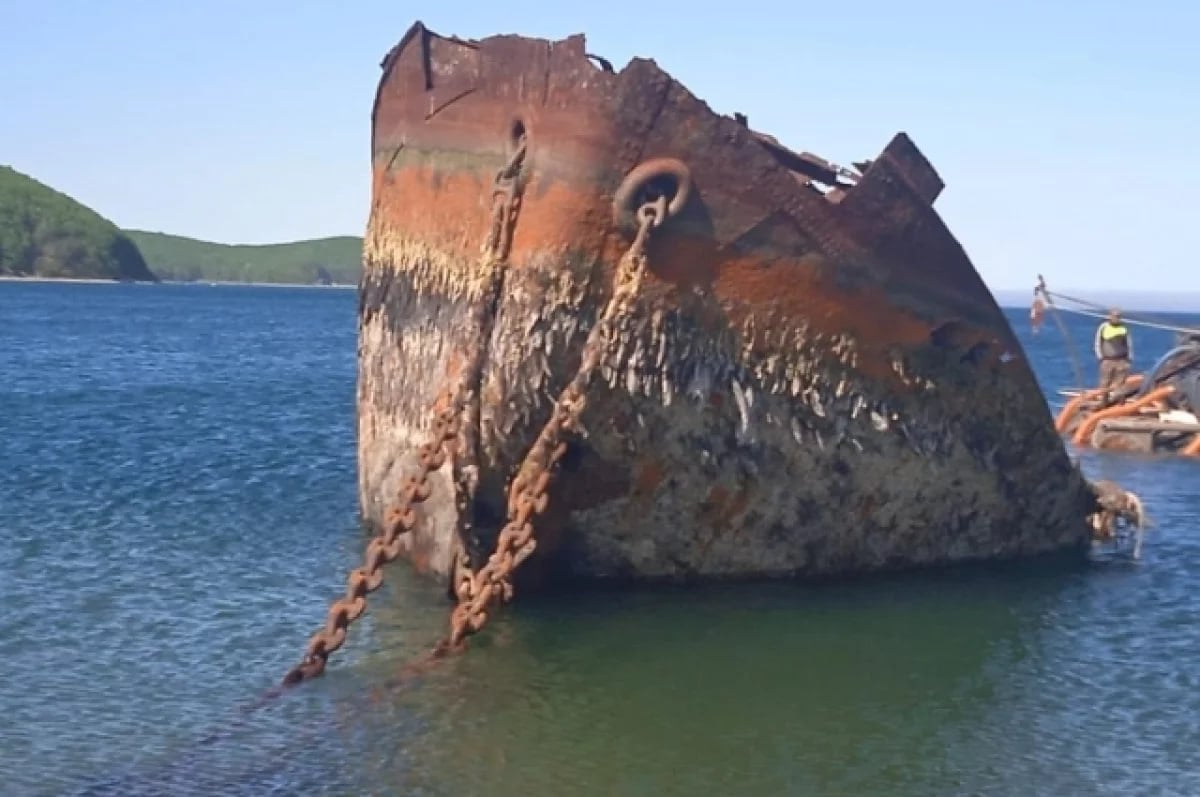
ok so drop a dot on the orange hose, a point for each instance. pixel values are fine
(1072, 407)
(1084, 432)
(1192, 449)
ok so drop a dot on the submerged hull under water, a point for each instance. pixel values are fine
(811, 380)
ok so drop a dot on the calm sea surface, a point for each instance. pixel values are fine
(177, 507)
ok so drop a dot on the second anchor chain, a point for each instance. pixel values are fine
(387, 545)
(528, 495)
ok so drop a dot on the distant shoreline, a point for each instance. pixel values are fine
(221, 284)
(78, 280)
(1179, 303)
(200, 283)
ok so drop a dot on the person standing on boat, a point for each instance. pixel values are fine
(1114, 350)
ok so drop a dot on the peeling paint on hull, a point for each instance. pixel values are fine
(814, 380)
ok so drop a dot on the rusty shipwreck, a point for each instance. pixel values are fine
(607, 333)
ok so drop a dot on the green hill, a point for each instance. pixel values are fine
(323, 260)
(45, 233)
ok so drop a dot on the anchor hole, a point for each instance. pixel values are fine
(664, 186)
(518, 132)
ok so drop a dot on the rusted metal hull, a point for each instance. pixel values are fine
(813, 381)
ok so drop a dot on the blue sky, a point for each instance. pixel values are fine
(1064, 131)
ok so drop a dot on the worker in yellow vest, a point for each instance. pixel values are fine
(1114, 350)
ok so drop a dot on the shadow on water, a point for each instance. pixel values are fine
(655, 691)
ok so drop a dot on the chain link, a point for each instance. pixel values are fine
(431, 456)
(506, 202)
(478, 592)
(1115, 509)
(382, 549)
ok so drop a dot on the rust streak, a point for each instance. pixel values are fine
(648, 475)
(719, 511)
(434, 111)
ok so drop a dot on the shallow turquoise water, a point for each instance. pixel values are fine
(177, 507)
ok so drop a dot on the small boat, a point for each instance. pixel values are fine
(1157, 412)
(607, 334)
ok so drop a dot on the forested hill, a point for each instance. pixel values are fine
(319, 261)
(45, 233)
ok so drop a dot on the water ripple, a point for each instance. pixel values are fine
(177, 506)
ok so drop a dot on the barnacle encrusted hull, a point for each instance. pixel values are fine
(812, 380)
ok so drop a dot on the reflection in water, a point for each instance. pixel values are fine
(731, 690)
(727, 690)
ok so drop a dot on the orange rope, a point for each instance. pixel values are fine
(1084, 432)
(1072, 407)
(1192, 449)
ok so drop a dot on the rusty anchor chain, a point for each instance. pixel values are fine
(387, 545)
(1117, 510)
(382, 549)
(478, 592)
(506, 202)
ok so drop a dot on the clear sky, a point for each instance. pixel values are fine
(1065, 131)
